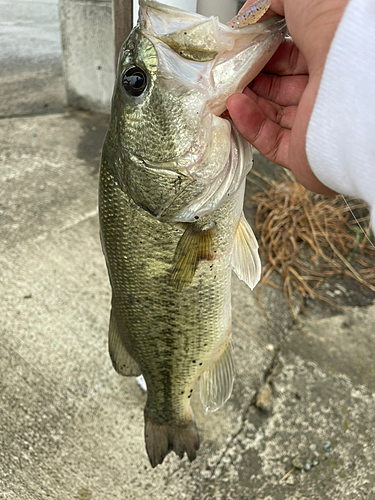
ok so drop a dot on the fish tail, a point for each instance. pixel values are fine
(163, 437)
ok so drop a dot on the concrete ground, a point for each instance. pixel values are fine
(71, 428)
(31, 76)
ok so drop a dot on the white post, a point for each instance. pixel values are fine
(224, 9)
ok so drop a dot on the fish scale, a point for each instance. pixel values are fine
(155, 322)
(171, 192)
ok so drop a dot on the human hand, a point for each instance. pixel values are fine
(273, 113)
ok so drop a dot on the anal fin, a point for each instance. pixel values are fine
(122, 362)
(245, 257)
(216, 383)
(195, 245)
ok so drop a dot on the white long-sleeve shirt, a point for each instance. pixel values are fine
(340, 141)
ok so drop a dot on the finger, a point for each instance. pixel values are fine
(282, 115)
(269, 138)
(287, 60)
(283, 90)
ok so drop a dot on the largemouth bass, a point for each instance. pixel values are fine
(171, 195)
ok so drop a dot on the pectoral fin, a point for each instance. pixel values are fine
(195, 245)
(245, 258)
(216, 383)
(122, 362)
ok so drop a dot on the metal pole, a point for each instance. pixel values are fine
(122, 13)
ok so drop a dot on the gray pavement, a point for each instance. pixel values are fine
(31, 75)
(71, 428)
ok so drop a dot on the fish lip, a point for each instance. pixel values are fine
(260, 50)
(179, 16)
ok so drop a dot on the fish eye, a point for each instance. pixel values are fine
(134, 81)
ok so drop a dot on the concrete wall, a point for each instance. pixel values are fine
(88, 53)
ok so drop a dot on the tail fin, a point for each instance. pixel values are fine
(161, 438)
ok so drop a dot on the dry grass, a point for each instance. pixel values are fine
(307, 238)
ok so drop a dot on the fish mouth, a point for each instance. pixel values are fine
(237, 58)
(210, 54)
(253, 48)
